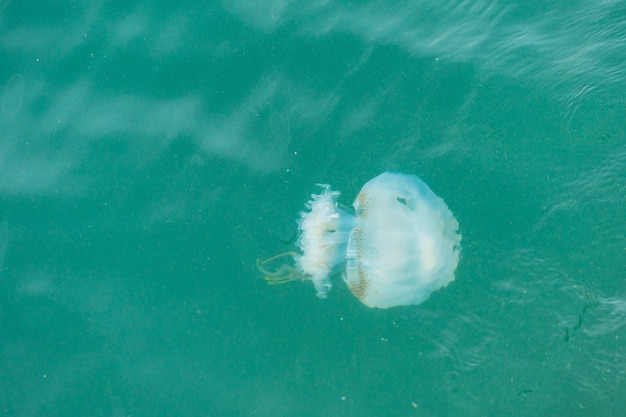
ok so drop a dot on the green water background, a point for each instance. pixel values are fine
(151, 151)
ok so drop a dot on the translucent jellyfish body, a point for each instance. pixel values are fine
(400, 244)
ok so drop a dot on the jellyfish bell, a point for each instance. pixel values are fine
(400, 245)
(404, 245)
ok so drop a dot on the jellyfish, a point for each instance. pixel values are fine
(399, 244)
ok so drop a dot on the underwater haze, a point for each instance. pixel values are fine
(152, 151)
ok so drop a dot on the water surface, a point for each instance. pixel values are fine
(151, 151)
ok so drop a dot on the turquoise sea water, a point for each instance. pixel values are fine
(151, 151)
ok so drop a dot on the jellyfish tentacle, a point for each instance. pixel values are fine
(284, 273)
